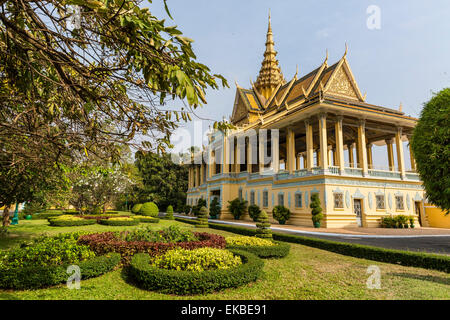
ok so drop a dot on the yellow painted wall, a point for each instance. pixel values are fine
(436, 217)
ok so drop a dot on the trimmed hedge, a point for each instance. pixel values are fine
(148, 277)
(46, 215)
(146, 219)
(280, 250)
(405, 258)
(39, 277)
(136, 208)
(119, 222)
(105, 242)
(55, 222)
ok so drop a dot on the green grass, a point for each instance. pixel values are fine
(306, 273)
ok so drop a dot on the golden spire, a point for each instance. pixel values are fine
(270, 75)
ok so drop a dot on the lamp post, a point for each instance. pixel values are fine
(15, 219)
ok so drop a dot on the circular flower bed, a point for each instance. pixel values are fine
(263, 248)
(69, 221)
(128, 243)
(119, 221)
(152, 274)
(44, 262)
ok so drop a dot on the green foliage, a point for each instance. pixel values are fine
(405, 258)
(169, 213)
(200, 203)
(202, 218)
(199, 260)
(263, 226)
(248, 241)
(214, 208)
(119, 221)
(254, 211)
(149, 209)
(146, 219)
(136, 208)
(281, 214)
(170, 234)
(47, 214)
(34, 277)
(276, 250)
(47, 251)
(33, 207)
(398, 221)
(190, 282)
(316, 211)
(69, 221)
(430, 145)
(163, 181)
(237, 207)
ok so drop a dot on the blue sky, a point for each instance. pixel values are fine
(404, 61)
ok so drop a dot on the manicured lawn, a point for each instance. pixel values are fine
(306, 273)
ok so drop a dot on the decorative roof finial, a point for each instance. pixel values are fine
(400, 108)
(346, 50)
(270, 75)
(326, 57)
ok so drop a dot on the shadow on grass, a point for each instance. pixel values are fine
(436, 279)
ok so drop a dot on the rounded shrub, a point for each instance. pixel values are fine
(136, 208)
(281, 214)
(169, 213)
(263, 226)
(119, 221)
(202, 218)
(149, 209)
(181, 282)
(253, 212)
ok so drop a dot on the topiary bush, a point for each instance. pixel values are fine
(237, 207)
(281, 214)
(214, 208)
(316, 212)
(136, 208)
(263, 226)
(254, 211)
(149, 209)
(169, 213)
(202, 218)
(149, 277)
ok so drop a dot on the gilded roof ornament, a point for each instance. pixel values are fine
(270, 75)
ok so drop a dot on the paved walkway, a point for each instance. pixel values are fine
(419, 239)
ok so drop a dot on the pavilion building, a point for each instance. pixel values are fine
(304, 127)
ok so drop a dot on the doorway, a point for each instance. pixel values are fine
(357, 210)
(417, 206)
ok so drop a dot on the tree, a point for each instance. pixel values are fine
(316, 212)
(164, 182)
(90, 76)
(214, 208)
(254, 211)
(281, 214)
(202, 219)
(430, 145)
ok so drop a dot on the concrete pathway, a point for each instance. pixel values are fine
(420, 239)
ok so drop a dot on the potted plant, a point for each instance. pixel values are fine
(214, 209)
(254, 211)
(281, 214)
(316, 211)
(411, 222)
(263, 226)
(237, 208)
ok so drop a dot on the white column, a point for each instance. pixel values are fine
(275, 152)
(261, 152)
(411, 157)
(225, 155)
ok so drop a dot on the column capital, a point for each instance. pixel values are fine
(322, 115)
(399, 130)
(389, 141)
(339, 118)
